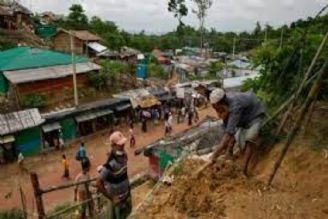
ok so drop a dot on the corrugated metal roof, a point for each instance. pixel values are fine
(18, 121)
(29, 58)
(122, 107)
(39, 74)
(51, 127)
(236, 82)
(85, 117)
(97, 47)
(105, 112)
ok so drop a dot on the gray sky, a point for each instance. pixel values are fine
(153, 17)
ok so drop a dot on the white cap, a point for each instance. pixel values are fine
(216, 95)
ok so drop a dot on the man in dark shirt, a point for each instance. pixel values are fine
(113, 182)
(242, 116)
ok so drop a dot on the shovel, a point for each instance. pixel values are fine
(201, 169)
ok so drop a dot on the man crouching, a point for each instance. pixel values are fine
(242, 115)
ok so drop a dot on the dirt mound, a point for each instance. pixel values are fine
(221, 191)
(202, 197)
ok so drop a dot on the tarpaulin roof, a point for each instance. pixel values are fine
(39, 74)
(17, 121)
(29, 58)
(139, 97)
(236, 81)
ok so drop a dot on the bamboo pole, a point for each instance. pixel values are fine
(309, 115)
(310, 98)
(287, 102)
(66, 186)
(300, 88)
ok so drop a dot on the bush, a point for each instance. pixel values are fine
(34, 101)
(99, 81)
(14, 213)
(155, 70)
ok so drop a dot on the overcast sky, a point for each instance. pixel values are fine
(153, 17)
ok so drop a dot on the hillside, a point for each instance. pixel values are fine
(20, 37)
(221, 191)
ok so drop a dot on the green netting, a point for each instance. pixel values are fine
(28, 58)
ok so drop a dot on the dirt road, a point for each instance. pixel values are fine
(49, 169)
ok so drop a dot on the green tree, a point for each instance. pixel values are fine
(77, 19)
(201, 12)
(179, 9)
(258, 29)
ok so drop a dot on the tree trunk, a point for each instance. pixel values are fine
(310, 98)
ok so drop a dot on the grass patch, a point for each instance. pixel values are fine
(14, 213)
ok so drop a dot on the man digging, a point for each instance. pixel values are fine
(242, 115)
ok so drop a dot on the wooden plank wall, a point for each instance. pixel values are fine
(61, 42)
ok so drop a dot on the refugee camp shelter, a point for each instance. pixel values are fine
(26, 70)
(20, 132)
(85, 119)
(14, 15)
(81, 38)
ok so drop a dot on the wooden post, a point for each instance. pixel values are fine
(38, 195)
(90, 203)
(310, 98)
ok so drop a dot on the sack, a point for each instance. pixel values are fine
(78, 156)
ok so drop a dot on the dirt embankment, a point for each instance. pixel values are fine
(299, 190)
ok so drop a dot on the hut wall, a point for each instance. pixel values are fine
(52, 86)
(62, 43)
(29, 141)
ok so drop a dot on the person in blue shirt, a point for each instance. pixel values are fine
(81, 154)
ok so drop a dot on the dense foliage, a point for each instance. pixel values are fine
(186, 35)
(155, 70)
(34, 101)
(284, 66)
(110, 71)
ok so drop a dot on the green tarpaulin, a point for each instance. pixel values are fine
(29, 58)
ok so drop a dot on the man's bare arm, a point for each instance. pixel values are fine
(224, 143)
